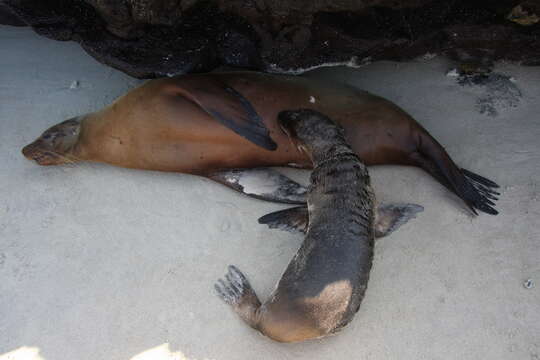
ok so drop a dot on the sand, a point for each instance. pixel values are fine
(99, 262)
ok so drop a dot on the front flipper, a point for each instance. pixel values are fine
(228, 106)
(388, 218)
(262, 183)
(293, 219)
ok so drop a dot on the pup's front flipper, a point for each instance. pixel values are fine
(294, 219)
(388, 218)
(262, 183)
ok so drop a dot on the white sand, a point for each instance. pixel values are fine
(98, 262)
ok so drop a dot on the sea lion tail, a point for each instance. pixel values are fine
(475, 190)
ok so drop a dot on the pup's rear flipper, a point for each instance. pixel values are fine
(236, 291)
(262, 183)
(388, 218)
(475, 190)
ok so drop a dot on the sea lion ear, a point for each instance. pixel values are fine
(389, 217)
(229, 107)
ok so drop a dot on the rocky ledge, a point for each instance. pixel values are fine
(154, 38)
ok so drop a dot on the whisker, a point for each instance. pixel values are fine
(68, 159)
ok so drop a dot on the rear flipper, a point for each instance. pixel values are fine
(236, 291)
(262, 183)
(388, 218)
(280, 318)
(480, 190)
(475, 190)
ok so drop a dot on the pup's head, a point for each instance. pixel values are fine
(309, 129)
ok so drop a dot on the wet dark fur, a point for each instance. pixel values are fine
(324, 284)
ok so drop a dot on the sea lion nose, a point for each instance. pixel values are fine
(30, 151)
(27, 151)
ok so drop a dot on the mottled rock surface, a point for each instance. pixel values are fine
(152, 38)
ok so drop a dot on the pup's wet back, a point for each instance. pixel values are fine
(325, 282)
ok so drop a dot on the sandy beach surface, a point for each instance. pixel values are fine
(104, 263)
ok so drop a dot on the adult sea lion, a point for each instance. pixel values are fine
(323, 285)
(184, 124)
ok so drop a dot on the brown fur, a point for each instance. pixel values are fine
(164, 125)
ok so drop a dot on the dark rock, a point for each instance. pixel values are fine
(152, 38)
(7, 17)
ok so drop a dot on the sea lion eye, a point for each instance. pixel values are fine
(47, 136)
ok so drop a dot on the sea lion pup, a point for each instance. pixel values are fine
(323, 285)
(221, 125)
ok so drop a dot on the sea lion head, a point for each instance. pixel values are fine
(309, 129)
(54, 146)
